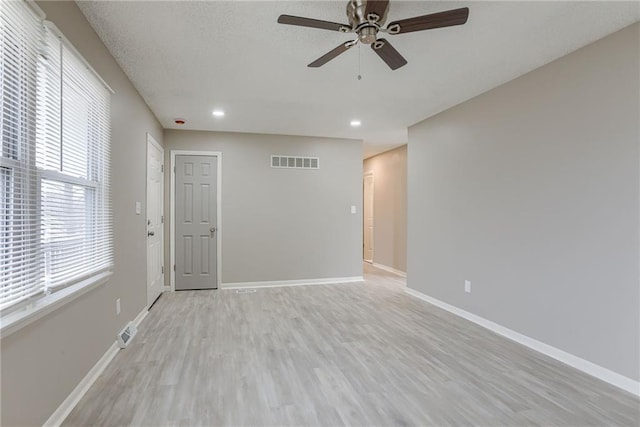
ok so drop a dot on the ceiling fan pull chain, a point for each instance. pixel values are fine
(359, 75)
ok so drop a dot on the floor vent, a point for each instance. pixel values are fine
(126, 335)
(245, 291)
(292, 162)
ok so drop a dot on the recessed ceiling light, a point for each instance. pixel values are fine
(355, 123)
(218, 113)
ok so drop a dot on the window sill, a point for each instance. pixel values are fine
(18, 319)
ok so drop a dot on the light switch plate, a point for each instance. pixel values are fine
(138, 208)
(353, 209)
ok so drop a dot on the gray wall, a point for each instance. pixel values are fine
(43, 362)
(390, 207)
(282, 224)
(531, 192)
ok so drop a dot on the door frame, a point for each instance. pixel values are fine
(152, 141)
(373, 217)
(172, 204)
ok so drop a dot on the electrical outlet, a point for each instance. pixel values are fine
(118, 307)
(467, 286)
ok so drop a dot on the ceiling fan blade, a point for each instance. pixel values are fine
(388, 54)
(448, 18)
(330, 55)
(313, 23)
(379, 7)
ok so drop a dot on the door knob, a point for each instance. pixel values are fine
(151, 233)
(212, 230)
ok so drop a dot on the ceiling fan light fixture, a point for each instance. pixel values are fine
(355, 123)
(367, 18)
(367, 35)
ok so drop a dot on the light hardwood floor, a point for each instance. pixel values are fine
(352, 354)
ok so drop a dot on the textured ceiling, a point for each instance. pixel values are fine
(187, 58)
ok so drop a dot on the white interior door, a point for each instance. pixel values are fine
(155, 220)
(367, 213)
(195, 221)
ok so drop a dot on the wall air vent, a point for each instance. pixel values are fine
(126, 335)
(294, 162)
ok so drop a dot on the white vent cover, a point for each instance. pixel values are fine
(126, 335)
(294, 162)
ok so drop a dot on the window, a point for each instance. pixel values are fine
(55, 216)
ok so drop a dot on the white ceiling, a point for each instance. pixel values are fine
(187, 58)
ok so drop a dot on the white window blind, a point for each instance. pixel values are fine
(67, 233)
(74, 172)
(21, 272)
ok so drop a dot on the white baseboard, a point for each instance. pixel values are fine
(57, 418)
(390, 269)
(167, 288)
(583, 365)
(300, 282)
(140, 317)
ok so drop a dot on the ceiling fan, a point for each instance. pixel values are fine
(366, 19)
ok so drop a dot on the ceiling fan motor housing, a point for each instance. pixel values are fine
(365, 26)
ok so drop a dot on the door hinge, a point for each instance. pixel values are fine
(174, 169)
(162, 219)
(162, 269)
(174, 267)
(161, 168)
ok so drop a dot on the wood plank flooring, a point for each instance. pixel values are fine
(353, 354)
